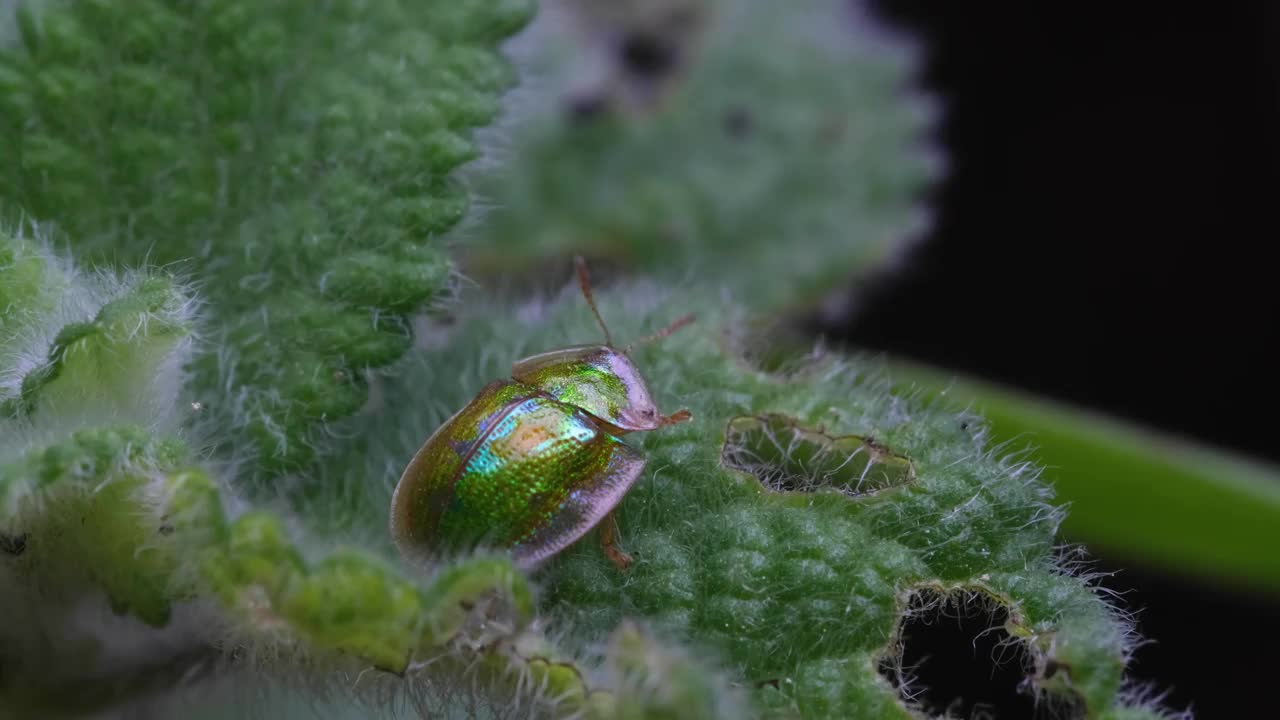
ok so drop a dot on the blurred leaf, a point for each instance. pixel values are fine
(825, 147)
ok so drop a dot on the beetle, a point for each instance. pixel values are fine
(536, 461)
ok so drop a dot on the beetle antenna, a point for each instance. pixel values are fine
(584, 282)
(674, 326)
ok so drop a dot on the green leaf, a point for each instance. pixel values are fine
(788, 544)
(296, 157)
(31, 285)
(114, 359)
(1150, 496)
(90, 508)
(109, 509)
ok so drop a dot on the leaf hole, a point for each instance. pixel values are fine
(953, 657)
(646, 54)
(788, 457)
(13, 545)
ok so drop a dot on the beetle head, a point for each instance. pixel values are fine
(599, 379)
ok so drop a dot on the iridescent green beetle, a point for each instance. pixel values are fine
(535, 462)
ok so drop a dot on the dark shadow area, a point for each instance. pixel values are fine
(1105, 231)
(958, 661)
(1211, 649)
(1105, 236)
(13, 544)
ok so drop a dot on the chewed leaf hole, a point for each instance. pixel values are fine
(13, 544)
(955, 658)
(787, 457)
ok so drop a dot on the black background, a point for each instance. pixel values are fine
(1104, 235)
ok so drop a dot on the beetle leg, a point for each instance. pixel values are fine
(676, 417)
(609, 543)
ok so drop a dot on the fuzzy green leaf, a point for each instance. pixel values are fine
(297, 159)
(108, 509)
(113, 359)
(30, 286)
(657, 683)
(1203, 511)
(295, 156)
(791, 587)
(90, 504)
